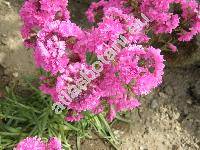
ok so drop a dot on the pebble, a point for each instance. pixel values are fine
(16, 74)
(175, 147)
(167, 136)
(196, 145)
(154, 104)
(143, 148)
(163, 95)
(117, 133)
(4, 35)
(176, 115)
(3, 42)
(189, 101)
(177, 128)
(2, 57)
(186, 111)
(7, 4)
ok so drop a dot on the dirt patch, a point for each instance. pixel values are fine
(168, 118)
(15, 59)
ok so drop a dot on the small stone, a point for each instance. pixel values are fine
(7, 4)
(186, 111)
(163, 95)
(122, 132)
(16, 74)
(196, 146)
(167, 136)
(175, 147)
(147, 130)
(143, 148)
(91, 144)
(189, 101)
(178, 128)
(154, 104)
(2, 57)
(176, 116)
(117, 133)
(3, 42)
(4, 35)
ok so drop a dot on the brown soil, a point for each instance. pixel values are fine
(15, 60)
(167, 120)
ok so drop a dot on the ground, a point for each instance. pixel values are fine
(168, 118)
(15, 60)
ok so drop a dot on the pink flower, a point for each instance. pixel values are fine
(54, 144)
(99, 8)
(94, 7)
(35, 143)
(165, 18)
(53, 49)
(154, 71)
(194, 30)
(112, 114)
(140, 68)
(158, 12)
(31, 143)
(66, 52)
(37, 13)
(74, 116)
(172, 47)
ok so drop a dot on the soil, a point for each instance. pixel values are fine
(15, 60)
(168, 119)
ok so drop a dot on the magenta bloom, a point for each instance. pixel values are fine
(165, 19)
(37, 13)
(31, 143)
(54, 46)
(172, 47)
(80, 73)
(99, 8)
(35, 143)
(54, 144)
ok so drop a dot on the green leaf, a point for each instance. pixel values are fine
(91, 57)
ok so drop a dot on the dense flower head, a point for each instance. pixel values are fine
(35, 143)
(107, 67)
(54, 144)
(97, 9)
(54, 45)
(140, 68)
(172, 47)
(158, 12)
(179, 16)
(35, 14)
(134, 28)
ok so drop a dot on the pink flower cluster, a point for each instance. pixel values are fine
(99, 8)
(35, 143)
(37, 13)
(179, 16)
(66, 52)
